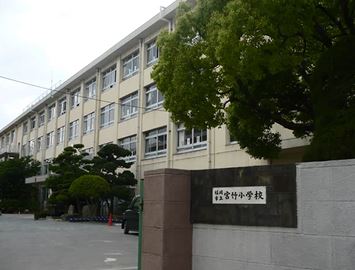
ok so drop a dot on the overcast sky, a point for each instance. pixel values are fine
(44, 42)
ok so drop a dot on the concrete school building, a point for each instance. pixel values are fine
(114, 100)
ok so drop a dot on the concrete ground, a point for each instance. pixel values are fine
(56, 245)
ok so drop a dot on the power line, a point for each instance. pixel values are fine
(64, 91)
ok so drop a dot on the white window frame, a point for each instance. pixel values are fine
(152, 96)
(109, 77)
(73, 130)
(90, 89)
(75, 98)
(130, 65)
(25, 127)
(89, 123)
(39, 143)
(192, 141)
(49, 139)
(60, 135)
(129, 143)
(158, 135)
(51, 112)
(41, 118)
(107, 115)
(31, 147)
(152, 53)
(33, 122)
(62, 106)
(129, 106)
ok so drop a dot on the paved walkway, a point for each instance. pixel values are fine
(57, 245)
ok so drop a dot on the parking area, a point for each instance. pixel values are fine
(57, 245)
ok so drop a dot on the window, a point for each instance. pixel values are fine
(129, 106)
(152, 53)
(153, 97)
(73, 129)
(25, 127)
(45, 166)
(90, 89)
(109, 77)
(155, 142)
(62, 106)
(39, 143)
(25, 149)
(31, 147)
(191, 139)
(49, 139)
(51, 112)
(74, 98)
(41, 118)
(89, 123)
(130, 65)
(107, 115)
(33, 122)
(60, 135)
(12, 136)
(129, 143)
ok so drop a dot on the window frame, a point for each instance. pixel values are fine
(73, 131)
(39, 143)
(132, 109)
(60, 135)
(33, 122)
(51, 112)
(110, 111)
(49, 139)
(41, 118)
(75, 98)
(130, 140)
(155, 134)
(62, 106)
(107, 81)
(149, 90)
(192, 145)
(128, 64)
(152, 46)
(89, 121)
(25, 127)
(90, 89)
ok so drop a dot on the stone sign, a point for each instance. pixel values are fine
(239, 195)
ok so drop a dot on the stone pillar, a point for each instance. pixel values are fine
(167, 231)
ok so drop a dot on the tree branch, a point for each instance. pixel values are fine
(332, 18)
(322, 36)
(344, 5)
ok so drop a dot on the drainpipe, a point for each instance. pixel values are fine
(164, 19)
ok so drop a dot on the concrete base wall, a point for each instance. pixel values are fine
(324, 239)
(167, 232)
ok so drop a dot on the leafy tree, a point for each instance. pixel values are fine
(15, 195)
(253, 64)
(111, 165)
(90, 188)
(68, 166)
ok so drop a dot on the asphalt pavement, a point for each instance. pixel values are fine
(26, 244)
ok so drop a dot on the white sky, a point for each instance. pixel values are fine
(44, 42)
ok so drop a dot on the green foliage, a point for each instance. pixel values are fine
(15, 195)
(253, 64)
(68, 166)
(89, 187)
(110, 164)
